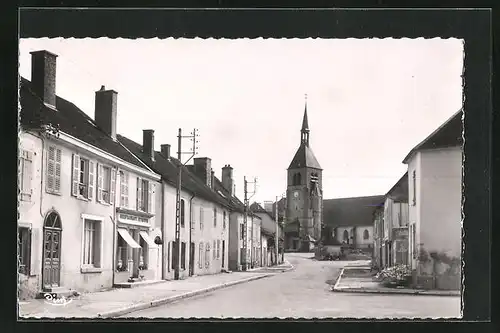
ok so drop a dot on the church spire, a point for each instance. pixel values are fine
(304, 138)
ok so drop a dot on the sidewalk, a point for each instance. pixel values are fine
(117, 302)
(365, 284)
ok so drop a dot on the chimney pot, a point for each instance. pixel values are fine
(165, 150)
(106, 111)
(148, 147)
(43, 76)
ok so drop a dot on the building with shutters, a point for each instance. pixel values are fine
(204, 213)
(87, 205)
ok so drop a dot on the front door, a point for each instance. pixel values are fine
(223, 252)
(191, 259)
(51, 270)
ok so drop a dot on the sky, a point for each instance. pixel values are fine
(369, 101)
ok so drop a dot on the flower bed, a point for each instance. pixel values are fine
(396, 276)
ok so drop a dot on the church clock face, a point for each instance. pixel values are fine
(296, 194)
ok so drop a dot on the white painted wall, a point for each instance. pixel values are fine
(358, 236)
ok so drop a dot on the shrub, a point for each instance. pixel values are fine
(395, 276)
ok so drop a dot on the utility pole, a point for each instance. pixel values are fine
(177, 247)
(276, 238)
(245, 220)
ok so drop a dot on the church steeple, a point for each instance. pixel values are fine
(304, 137)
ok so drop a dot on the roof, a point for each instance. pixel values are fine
(304, 157)
(399, 192)
(305, 123)
(268, 222)
(70, 120)
(357, 211)
(167, 168)
(449, 134)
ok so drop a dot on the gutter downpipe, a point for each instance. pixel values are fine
(164, 248)
(190, 232)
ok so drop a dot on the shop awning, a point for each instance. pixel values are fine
(127, 238)
(147, 239)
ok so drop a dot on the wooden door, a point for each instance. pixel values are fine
(51, 258)
(223, 252)
(191, 259)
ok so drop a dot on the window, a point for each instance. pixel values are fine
(26, 175)
(242, 231)
(24, 250)
(143, 255)
(215, 217)
(105, 184)
(215, 250)
(224, 220)
(183, 255)
(182, 212)
(123, 189)
(200, 256)
(175, 253)
(207, 255)
(192, 218)
(346, 236)
(91, 243)
(366, 234)
(414, 188)
(122, 255)
(83, 178)
(145, 196)
(297, 179)
(218, 249)
(53, 173)
(201, 218)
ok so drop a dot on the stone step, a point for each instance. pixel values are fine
(56, 292)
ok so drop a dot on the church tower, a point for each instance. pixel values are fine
(304, 213)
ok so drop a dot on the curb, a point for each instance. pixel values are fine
(387, 292)
(392, 292)
(162, 301)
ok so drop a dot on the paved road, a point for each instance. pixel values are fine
(303, 293)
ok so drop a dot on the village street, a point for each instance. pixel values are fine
(304, 292)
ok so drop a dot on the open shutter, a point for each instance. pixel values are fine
(35, 252)
(139, 194)
(76, 175)
(151, 198)
(50, 169)
(57, 173)
(90, 193)
(112, 186)
(100, 172)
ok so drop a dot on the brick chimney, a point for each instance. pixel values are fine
(165, 150)
(203, 169)
(227, 178)
(106, 111)
(212, 179)
(148, 147)
(43, 76)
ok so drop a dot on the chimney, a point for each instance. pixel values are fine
(148, 140)
(212, 179)
(227, 178)
(203, 168)
(105, 111)
(43, 76)
(165, 150)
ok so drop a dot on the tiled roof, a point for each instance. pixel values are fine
(449, 134)
(399, 192)
(70, 120)
(268, 226)
(304, 157)
(357, 211)
(167, 168)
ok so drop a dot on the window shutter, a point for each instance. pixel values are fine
(57, 173)
(76, 175)
(201, 218)
(126, 188)
(50, 169)
(91, 174)
(100, 172)
(151, 198)
(112, 186)
(139, 194)
(35, 254)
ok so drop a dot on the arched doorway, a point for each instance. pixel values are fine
(51, 270)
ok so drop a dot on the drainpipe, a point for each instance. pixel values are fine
(164, 248)
(190, 231)
(113, 219)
